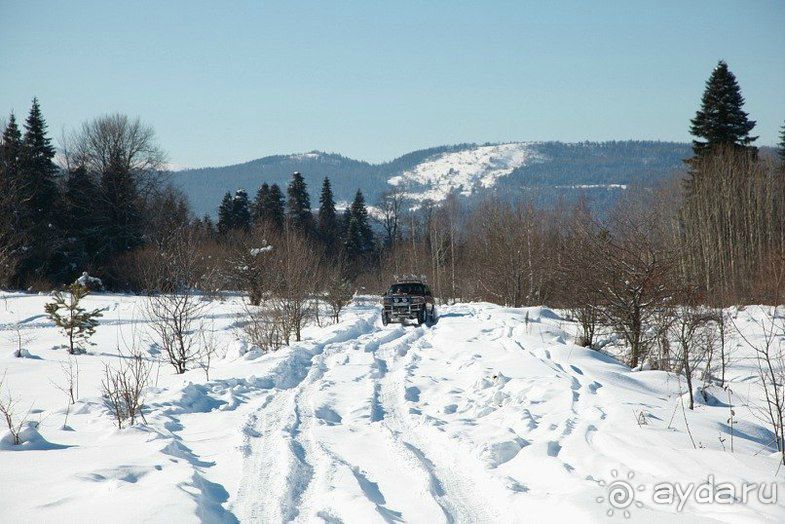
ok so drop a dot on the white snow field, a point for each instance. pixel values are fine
(492, 415)
(463, 171)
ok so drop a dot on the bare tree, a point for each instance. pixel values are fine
(70, 384)
(691, 331)
(174, 314)
(390, 205)
(123, 388)
(115, 142)
(295, 276)
(631, 272)
(9, 409)
(263, 328)
(338, 290)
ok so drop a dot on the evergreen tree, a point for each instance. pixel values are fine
(82, 223)
(241, 211)
(38, 168)
(353, 243)
(721, 121)
(11, 234)
(77, 323)
(299, 212)
(225, 210)
(234, 212)
(39, 200)
(328, 220)
(782, 143)
(275, 207)
(121, 221)
(11, 148)
(358, 240)
(10, 176)
(360, 213)
(259, 209)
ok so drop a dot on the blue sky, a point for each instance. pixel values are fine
(224, 82)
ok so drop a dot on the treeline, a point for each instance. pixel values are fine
(87, 208)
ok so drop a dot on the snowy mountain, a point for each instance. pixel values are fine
(543, 171)
(467, 171)
(492, 415)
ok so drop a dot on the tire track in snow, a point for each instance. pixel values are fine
(450, 487)
(282, 457)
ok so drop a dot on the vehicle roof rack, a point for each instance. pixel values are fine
(410, 278)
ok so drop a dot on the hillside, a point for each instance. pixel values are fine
(492, 415)
(543, 171)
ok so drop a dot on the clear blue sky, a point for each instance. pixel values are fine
(224, 82)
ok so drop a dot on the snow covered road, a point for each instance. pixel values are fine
(492, 415)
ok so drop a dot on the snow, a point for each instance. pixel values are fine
(492, 415)
(594, 186)
(463, 171)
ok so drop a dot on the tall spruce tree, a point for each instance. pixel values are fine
(11, 234)
(234, 212)
(225, 220)
(258, 209)
(121, 217)
(241, 210)
(721, 121)
(82, 224)
(782, 144)
(39, 170)
(299, 204)
(328, 220)
(10, 178)
(274, 207)
(39, 199)
(359, 235)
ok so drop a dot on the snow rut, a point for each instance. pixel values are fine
(408, 424)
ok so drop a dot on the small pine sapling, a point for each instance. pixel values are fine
(66, 312)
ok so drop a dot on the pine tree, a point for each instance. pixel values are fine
(39, 169)
(721, 121)
(299, 212)
(259, 209)
(121, 219)
(77, 323)
(328, 220)
(353, 243)
(241, 211)
(234, 212)
(39, 200)
(782, 144)
(358, 238)
(11, 234)
(275, 207)
(82, 223)
(225, 219)
(10, 177)
(359, 213)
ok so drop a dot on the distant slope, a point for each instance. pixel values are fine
(543, 171)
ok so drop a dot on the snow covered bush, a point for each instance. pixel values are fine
(91, 283)
(77, 323)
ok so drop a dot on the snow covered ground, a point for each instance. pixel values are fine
(492, 415)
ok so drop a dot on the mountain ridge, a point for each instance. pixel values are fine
(562, 170)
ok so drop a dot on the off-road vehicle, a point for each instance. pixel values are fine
(409, 298)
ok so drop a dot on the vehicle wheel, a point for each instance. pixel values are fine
(431, 317)
(421, 317)
(385, 320)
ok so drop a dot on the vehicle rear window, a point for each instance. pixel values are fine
(407, 289)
